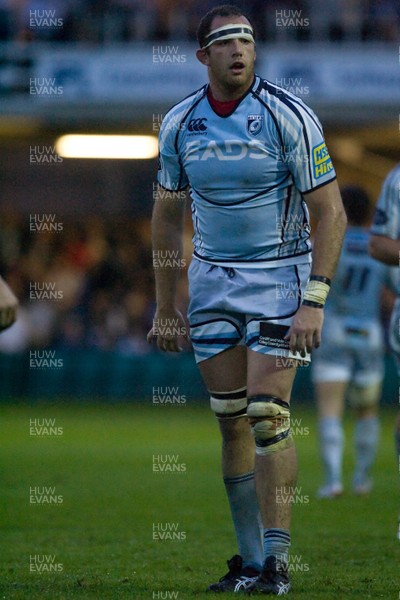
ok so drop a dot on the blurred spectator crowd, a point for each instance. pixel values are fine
(108, 21)
(88, 285)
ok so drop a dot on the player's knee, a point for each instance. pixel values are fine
(229, 405)
(270, 423)
(364, 397)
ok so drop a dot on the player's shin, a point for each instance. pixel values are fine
(276, 471)
(238, 472)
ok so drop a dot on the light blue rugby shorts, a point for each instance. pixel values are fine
(230, 307)
(351, 350)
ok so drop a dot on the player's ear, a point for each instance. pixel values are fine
(202, 56)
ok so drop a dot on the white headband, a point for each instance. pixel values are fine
(229, 32)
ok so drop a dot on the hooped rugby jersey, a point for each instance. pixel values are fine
(358, 280)
(387, 215)
(247, 174)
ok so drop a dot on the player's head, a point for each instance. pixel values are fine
(356, 204)
(226, 40)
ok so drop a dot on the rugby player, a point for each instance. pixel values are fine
(255, 161)
(385, 246)
(350, 358)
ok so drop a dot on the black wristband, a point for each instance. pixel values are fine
(320, 278)
(313, 304)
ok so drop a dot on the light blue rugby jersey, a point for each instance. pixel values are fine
(387, 215)
(247, 173)
(356, 286)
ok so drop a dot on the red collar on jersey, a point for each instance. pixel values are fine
(222, 108)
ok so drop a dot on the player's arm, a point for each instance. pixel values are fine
(167, 233)
(384, 249)
(8, 306)
(326, 207)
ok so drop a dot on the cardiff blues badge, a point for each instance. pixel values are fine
(254, 124)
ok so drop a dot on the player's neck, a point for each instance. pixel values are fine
(225, 94)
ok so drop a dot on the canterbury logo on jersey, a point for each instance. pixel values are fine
(228, 150)
(197, 125)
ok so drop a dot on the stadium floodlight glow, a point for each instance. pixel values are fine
(107, 146)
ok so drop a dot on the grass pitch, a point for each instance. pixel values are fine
(122, 528)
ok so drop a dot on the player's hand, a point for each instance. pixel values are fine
(168, 328)
(305, 332)
(8, 306)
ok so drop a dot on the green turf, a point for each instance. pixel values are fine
(102, 532)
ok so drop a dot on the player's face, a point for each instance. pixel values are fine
(230, 62)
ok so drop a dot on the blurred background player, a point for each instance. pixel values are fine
(8, 306)
(385, 247)
(350, 359)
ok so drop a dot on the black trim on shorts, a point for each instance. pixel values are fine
(250, 260)
(216, 321)
(210, 341)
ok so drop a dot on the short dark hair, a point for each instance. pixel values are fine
(225, 10)
(356, 204)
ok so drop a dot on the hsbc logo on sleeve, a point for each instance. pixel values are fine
(197, 126)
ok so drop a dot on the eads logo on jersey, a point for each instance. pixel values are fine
(197, 126)
(254, 124)
(322, 163)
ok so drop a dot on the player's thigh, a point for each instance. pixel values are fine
(268, 374)
(225, 371)
(330, 397)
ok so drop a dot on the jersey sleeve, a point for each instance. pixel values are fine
(171, 174)
(387, 212)
(305, 149)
